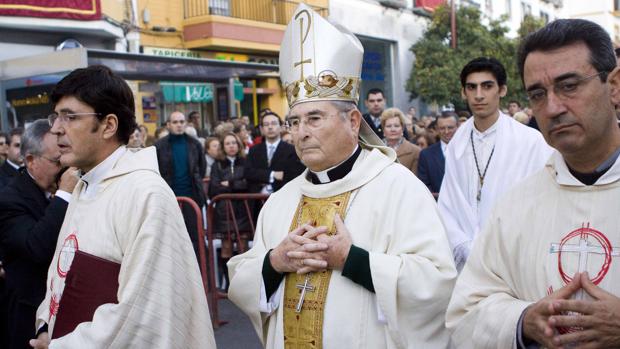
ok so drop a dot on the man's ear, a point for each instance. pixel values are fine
(614, 83)
(110, 126)
(356, 119)
(28, 159)
(463, 95)
(503, 90)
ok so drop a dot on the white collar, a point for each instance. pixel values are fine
(97, 174)
(322, 175)
(231, 158)
(489, 131)
(564, 177)
(444, 146)
(15, 166)
(274, 143)
(460, 141)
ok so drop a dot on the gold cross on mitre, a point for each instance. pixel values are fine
(319, 60)
(302, 39)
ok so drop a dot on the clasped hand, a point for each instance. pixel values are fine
(309, 249)
(596, 322)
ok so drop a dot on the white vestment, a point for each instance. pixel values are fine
(519, 152)
(516, 260)
(129, 215)
(393, 216)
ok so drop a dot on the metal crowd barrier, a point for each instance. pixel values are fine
(233, 234)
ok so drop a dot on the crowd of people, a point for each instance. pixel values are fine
(489, 228)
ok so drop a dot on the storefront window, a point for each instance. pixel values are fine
(376, 68)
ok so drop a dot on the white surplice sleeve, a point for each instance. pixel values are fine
(484, 309)
(455, 211)
(414, 274)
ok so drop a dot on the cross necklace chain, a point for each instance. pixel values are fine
(481, 175)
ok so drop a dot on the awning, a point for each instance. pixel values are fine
(133, 66)
(20, 72)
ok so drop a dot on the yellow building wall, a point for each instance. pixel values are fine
(277, 101)
(117, 10)
(165, 14)
(171, 13)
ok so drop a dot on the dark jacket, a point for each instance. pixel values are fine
(196, 161)
(7, 172)
(431, 167)
(223, 171)
(377, 130)
(29, 227)
(257, 169)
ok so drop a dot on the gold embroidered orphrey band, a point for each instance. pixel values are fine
(304, 295)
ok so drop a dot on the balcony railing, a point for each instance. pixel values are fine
(270, 11)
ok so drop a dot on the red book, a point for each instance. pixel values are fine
(91, 282)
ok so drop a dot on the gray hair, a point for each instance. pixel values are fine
(343, 107)
(32, 139)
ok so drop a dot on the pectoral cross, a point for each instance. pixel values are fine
(584, 248)
(303, 38)
(303, 287)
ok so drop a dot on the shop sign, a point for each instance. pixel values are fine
(187, 92)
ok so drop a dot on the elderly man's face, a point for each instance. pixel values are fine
(46, 166)
(447, 128)
(572, 124)
(324, 138)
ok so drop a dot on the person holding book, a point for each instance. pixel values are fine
(123, 273)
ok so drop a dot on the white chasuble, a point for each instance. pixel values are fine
(518, 152)
(392, 215)
(131, 218)
(539, 235)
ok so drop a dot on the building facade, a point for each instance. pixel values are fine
(387, 30)
(158, 32)
(604, 12)
(513, 11)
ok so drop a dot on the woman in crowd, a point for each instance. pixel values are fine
(393, 124)
(227, 177)
(424, 140)
(241, 131)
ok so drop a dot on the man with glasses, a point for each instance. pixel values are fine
(352, 253)
(431, 164)
(489, 154)
(272, 163)
(123, 273)
(32, 208)
(14, 161)
(544, 272)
